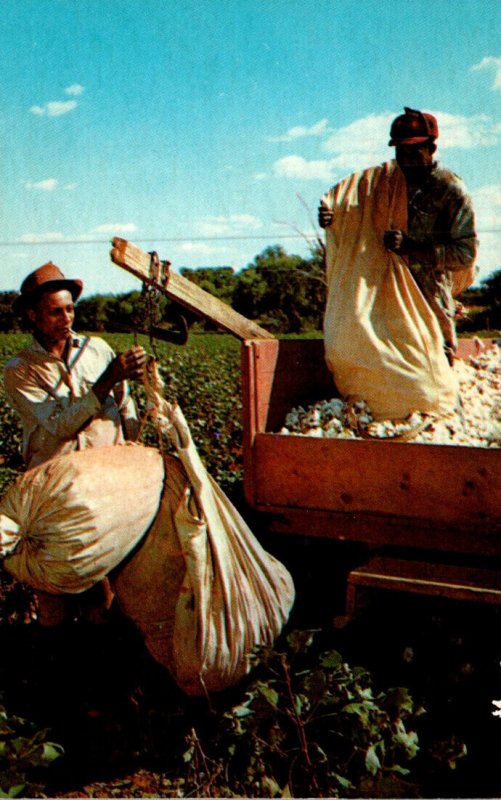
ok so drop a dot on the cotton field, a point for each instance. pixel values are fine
(477, 422)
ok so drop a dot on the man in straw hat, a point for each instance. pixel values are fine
(70, 391)
(439, 244)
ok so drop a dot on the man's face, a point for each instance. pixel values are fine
(53, 316)
(414, 159)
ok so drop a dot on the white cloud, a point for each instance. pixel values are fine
(127, 227)
(488, 258)
(361, 136)
(75, 89)
(490, 62)
(487, 205)
(260, 176)
(365, 141)
(42, 238)
(47, 185)
(299, 167)
(199, 247)
(300, 132)
(70, 187)
(55, 108)
(233, 224)
(465, 132)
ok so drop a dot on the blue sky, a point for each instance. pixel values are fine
(205, 130)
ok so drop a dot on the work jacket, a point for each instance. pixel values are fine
(57, 406)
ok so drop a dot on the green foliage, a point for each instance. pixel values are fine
(282, 291)
(17, 601)
(10, 428)
(285, 292)
(24, 750)
(483, 307)
(7, 476)
(8, 320)
(204, 378)
(309, 725)
(219, 281)
(10, 441)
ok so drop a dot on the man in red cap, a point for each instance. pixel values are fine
(70, 391)
(439, 243)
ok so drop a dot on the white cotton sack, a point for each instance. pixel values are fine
(66, 523)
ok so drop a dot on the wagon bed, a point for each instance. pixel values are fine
(442, 498)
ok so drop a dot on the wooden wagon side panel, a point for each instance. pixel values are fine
(434, 482)
(441, 496)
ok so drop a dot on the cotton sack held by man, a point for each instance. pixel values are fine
(400, 244)
(183, 564)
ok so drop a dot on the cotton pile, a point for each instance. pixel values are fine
(476, 422)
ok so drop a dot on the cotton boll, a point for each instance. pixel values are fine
(315, 432)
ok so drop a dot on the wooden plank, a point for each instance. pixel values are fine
(444, 580)
(472, 347)
(287, 373)
(131, 258)
(378, 530)
(247, 368)
(426, 481)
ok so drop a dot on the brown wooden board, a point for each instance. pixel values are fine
(384, 531)
(440, 482)
(450, 580)
(131, 258)
(421, 577)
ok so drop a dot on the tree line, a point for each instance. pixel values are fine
(285, 293)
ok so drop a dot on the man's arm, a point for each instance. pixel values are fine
(453, 248)
(37, 405)
(126, 366)
(458, 249)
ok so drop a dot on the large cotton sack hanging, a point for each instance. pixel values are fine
(233, 595)
(148, 582)
(382, 340)
(67, 522)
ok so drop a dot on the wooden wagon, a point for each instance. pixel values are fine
(394, 497)
(443, 501)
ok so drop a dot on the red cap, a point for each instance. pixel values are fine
(413, 127)
(48, 276)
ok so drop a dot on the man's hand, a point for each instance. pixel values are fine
(129, 365)
(395, 241)
(126, 366)
(325, 215)
(398, 242)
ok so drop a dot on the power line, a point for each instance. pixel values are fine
(160, 239)
(149, 239)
